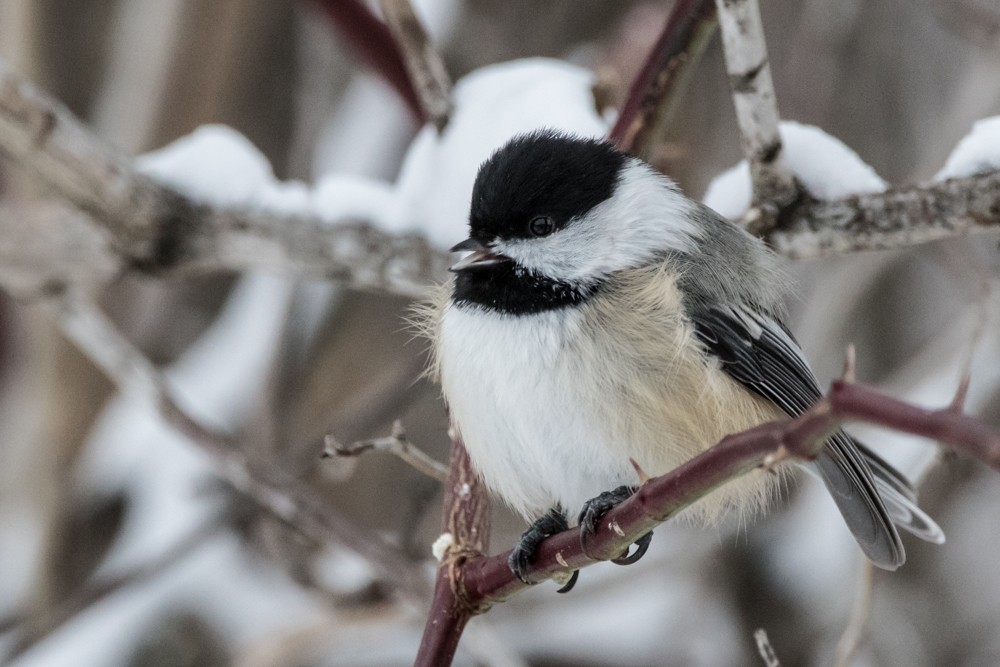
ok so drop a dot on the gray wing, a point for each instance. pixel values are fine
(757, 351)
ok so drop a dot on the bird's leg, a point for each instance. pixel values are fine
(597, 507)
(524, 551)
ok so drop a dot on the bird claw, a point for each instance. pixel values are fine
(641, 545)
(597, 507)
(524, 551)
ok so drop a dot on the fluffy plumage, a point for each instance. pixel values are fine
(633, 322)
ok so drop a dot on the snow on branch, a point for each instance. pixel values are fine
(159, 230)
(897, 218)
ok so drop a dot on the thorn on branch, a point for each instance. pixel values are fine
(396, 443)
(643, 475)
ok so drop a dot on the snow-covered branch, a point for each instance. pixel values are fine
(897, 218)
(156, 229)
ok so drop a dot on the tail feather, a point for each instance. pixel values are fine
(874, 498)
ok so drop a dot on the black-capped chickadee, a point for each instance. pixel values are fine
(601, 315)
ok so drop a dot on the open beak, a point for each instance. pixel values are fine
(479, 256)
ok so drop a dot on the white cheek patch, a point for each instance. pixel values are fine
(644, 217)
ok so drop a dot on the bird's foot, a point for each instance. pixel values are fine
(524, 551)
(597, 507)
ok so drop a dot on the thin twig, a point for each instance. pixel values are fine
(756, 111)
(850, 641)
(764, 648)
(669, 65)
(98, 338)
(396, 443)
(370, 39)
(423, 63)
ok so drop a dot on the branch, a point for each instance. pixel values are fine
(756, 111)
(467, 520)
(489, 579)
(423, 64)
(98, 338)
(654, 94)
(396, 443)
(371, 40)
(897, 218)
(158, 230)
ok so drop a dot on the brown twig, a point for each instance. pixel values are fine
(756, 111)
(668, 67)
(396, 443)
(467, 519)
(371, 40)
(424, 65)
(95, 335)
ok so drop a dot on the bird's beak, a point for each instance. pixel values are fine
(479, 256)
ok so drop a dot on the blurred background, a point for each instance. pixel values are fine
(118, 546)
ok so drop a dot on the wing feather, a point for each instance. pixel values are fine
(757, 351)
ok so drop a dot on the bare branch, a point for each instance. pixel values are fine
(397, 443)
(756, 110)
(654, 94)
(371, 40)
(765, 649)
(423, 64)
(98, 338)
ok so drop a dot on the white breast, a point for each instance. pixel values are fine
(516, 393)
(552, 406)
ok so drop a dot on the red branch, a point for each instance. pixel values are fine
(489, 579)
(672, 57)
(467, 519)
(371, 40)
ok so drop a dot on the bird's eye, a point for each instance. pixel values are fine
(541, 225)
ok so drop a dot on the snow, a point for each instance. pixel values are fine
(976, 153)
(826, 167)
(217, 165)
(492, 105)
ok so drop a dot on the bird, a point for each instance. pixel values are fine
(599, 317)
